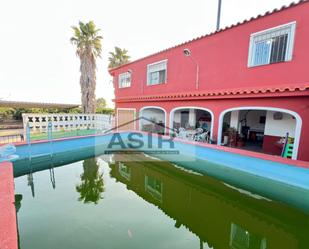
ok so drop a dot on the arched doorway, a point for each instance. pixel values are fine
(152, 119)
(260, 129)
(189, 119)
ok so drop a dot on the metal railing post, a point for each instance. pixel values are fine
(50, 131)
(28, 134)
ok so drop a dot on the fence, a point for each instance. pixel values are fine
(65, 125)
(12, 138)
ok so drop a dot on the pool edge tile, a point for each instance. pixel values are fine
(8, 225)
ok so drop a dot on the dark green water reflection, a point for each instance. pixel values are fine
(92, 184)
(148, 205)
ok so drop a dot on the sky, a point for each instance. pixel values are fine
(38, 62)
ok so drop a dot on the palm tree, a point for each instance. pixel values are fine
(89, 47)
(101, 103)
(118, 58)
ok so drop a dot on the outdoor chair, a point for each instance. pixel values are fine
(203, 137)
(182, 133)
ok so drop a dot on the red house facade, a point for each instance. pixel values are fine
(245, 86)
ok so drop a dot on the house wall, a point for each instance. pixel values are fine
(279, 128)
(253, 119)
(222, 63)
(299, 104)
(275, 130)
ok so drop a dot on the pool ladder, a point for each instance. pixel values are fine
(50, 139)
(51, 170)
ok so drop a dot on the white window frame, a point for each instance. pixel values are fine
(290, 42)
(124, 75)
(148, 72)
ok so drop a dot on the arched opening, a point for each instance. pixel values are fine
(152, 119)
(268, 130)
(192, 123)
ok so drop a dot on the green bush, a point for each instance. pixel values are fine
(6, 112)
(105, 111)
(16, 113)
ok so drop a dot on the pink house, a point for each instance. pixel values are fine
(245, 86)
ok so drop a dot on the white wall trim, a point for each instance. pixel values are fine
(196, 108)
(273, 28)
(266, 108)
(157, 62)
(128, 109)
(154, 107)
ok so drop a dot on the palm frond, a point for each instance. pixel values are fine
(118, 58)
(86, 37)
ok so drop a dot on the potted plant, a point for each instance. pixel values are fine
(240, 142)
(232, 134)
(225, 133)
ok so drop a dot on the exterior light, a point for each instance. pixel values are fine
(129, 71)
(188, 53)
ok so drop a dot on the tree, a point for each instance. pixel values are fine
(118, 58)
(88, 44)
(6, 112)
(101, 103)
(92, 185)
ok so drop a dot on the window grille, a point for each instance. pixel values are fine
(124, 80)
(272, 46)
(156, 73)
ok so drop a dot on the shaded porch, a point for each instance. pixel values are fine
(152, 119)
(260, 130)
(192, 123)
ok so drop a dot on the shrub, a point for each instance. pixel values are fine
(110, 111)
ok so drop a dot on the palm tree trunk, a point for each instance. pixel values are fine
(88, 82)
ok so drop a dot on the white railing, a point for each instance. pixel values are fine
(38, 123)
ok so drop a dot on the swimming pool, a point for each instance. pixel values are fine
(272, 178)
(129, 201)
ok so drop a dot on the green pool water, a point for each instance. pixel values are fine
(115, 203)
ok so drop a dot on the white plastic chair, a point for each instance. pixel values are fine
(204, 137)
(182, 133)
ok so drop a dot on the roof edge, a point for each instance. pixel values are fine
(267, 13)
(216, 93)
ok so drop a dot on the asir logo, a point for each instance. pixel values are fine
(131, 142)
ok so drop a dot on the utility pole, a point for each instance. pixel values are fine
(219, 14)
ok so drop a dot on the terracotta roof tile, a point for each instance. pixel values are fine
(224, 92)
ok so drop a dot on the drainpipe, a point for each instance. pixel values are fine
(187, 53)
(197, 77)
(197, 83)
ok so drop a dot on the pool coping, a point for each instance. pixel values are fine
(273, 158)
(8, 225)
